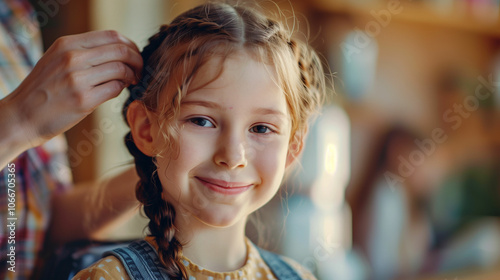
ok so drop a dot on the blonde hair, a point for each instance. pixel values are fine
(171, 60)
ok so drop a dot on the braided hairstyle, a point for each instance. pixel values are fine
(172, 58)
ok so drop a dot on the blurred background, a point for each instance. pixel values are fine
(400, 175)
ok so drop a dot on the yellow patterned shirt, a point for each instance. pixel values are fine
(111, 268)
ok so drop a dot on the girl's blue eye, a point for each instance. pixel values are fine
(202, 122)
(261, 129)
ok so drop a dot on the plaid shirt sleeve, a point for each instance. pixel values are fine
(27, 184)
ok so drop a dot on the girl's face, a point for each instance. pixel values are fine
(234, 143)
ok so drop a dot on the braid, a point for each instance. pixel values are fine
(149, 190)
(161, 214)
(311, 75)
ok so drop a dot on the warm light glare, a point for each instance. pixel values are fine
(331, 159)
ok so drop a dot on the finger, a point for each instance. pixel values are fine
(107, 72)
(115, 52)
(104, 92)
(95, 39)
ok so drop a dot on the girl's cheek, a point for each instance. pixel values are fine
(271, 160)
(194, 146)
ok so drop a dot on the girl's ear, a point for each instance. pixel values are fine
(140, 120)
(296, 146)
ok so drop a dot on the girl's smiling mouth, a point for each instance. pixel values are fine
(220, 186)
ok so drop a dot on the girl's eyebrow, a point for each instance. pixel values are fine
(214, 105)
(208, 104)
(269, 111)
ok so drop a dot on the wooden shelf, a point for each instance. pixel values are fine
(457, 18)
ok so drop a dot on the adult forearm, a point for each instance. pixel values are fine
(89, 211)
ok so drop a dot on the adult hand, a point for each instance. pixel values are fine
(74, 76)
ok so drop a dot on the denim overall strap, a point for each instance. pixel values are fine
(281, 269)
(140, 261)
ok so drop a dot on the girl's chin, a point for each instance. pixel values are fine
(219, 220)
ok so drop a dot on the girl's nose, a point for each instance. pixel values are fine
(231, 152)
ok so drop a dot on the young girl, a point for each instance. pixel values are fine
(220, 113)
